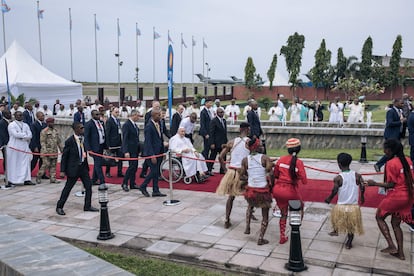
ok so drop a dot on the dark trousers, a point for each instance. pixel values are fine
(212, 157)
(206, 148)
(190, 136)
(412, 154)
(3, 150)
(153, 175)
(70, 182)
(144, 168)
(119, 154)
(97, 166)
(34, 161)
(131, 171)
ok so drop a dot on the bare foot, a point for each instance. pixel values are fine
(391, 250)
(227, 224)
(247, 231)
(333, 233)
(262, 241)
(397, 255)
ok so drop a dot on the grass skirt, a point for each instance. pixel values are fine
(230, 184)
(346, 218)
(258, 197)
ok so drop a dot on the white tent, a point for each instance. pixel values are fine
(26, 75)
(278, 81)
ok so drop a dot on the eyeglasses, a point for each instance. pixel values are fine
(81, 128)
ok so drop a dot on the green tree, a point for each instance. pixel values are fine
(365, 69)
(394, 73)
(293, 56)
(272, 70)
(340, 65)
(249, 73)
(322, 72)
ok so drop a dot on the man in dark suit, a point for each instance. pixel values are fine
(79, 116)
(205, 117)
(176, 120)
(28, 116)
(4, 133)
(113, 139)
(153, 145)
(254, 121)
(393, 127)
(74, 164)
(218, 138)
(95, 141)
(34, 145)
(147, 118)
(130, 149)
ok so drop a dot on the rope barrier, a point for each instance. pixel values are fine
(124, 158)
(34, 153)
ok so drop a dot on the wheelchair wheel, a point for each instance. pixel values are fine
(177, 170)
(188, 180)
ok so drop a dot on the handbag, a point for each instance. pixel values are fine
(109, 161)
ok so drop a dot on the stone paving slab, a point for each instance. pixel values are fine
(194, 229)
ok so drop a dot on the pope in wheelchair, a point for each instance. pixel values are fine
(182, 145)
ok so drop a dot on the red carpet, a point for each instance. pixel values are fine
(316, 190)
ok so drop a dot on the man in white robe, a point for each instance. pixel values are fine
(232, 111)
(182, 145)
(18, 163)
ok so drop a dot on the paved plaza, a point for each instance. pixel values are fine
(193, 230)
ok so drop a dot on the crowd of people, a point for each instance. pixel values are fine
(32, 140)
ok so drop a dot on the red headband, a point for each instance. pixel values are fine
(255, 145)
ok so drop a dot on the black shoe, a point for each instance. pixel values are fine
(120, 175)
(29, 183)
(9, 185)
(91, 209)
(60, 211)
(377, 168)
(158, 194)
(108, 175)
(144, 192)
(125, 187)
(134, 187)
(210, 173)
(45, 177)
(222, 172)
(142, 176)
(95, 183)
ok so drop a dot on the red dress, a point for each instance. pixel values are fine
(397, 201)
(284, 189)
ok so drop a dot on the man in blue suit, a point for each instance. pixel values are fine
(393, 127)
(28, 116)
(153, 145)
(79, 116)
(254, 121)
(36, 127)
(130, 149)
(95, 142)
(206, 115)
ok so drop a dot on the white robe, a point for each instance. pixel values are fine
(177, 144)
(18, 163)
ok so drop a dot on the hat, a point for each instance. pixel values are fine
(292, 143)
(281, 96)
(217, 101)
(50, 120)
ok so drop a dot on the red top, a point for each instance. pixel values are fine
(282, 174)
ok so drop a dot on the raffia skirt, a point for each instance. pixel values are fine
(346, 218)
(230, 184)
(258, 197)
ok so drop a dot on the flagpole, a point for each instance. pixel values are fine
(96, 58)
(192, 62)
(4, 32)
(119, 66)
(203, 66)
(7, 85)
(70, 42)
(181, 69)
(153, 60)
(40, 37)
(136, 47)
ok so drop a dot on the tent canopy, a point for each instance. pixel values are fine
(26, 76)
(278, 81)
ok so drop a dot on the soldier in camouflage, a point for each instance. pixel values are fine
(51, 143)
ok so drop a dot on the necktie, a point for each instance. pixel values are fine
(157, 125)
(222, 123)
(80, 150)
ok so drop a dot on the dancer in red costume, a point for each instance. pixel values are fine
(398, 180)
(289, 170)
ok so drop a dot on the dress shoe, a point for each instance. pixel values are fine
(125, 187)
(54, 181)
(45, 177)
(95, 183)
(377, 168)
(60, 211)
(91, 209)
(38, 180)
(222, 172)
(210, 173)
(108, 175)
(142, 175)
(29, 183)
(158, 194)
(144, 192)
(120, 175)
(9, 185)
(133, 187)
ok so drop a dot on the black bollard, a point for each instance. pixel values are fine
(363, 158)
(295, 263)
(104, 229)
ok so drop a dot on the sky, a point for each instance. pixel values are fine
(233, 30)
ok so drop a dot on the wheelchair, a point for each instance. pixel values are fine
(177, 171)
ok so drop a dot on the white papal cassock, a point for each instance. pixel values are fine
(177, 144)
(18, 163)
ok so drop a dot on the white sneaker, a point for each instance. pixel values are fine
(277, 213)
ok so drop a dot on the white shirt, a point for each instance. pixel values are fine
(187, 125)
